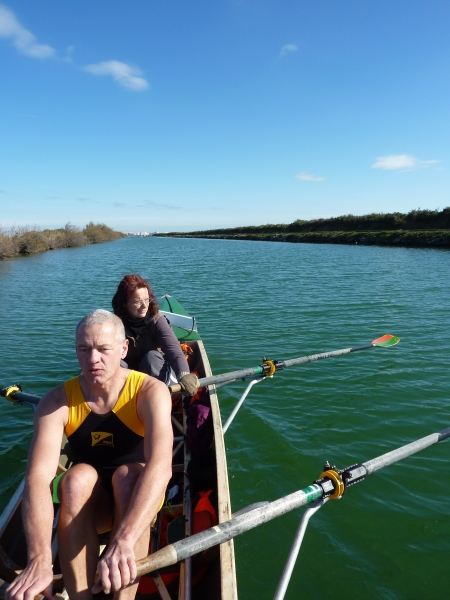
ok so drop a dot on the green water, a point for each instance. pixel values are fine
(389, 537)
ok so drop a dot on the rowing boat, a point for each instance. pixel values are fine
(197, 495)
(191, 553)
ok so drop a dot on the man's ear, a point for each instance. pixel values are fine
(124, 348)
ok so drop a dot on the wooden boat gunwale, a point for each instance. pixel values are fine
(228, 567)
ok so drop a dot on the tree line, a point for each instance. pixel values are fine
(20, 241)
(412, 221)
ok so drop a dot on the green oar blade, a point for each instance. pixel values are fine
(386, 340)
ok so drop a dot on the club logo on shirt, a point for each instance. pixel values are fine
(102, 438)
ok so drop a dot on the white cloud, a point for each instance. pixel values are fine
(69, 54)
(287, 48)
(404, 162)
(24, 41)
(307, 177)
(123, 74)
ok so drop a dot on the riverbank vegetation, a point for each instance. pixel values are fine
(418, 228)
(19, 241)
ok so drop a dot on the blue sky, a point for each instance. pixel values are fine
(175, 116)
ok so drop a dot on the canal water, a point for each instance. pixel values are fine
(388, 537)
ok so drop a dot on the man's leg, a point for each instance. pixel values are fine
(82, 494)
(124, 481)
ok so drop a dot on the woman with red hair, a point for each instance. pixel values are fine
(148, 333)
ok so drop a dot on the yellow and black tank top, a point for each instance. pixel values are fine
(110, 440)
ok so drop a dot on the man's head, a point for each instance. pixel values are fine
(100, 344)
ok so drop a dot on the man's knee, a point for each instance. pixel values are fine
(78, 484)
(124, 480)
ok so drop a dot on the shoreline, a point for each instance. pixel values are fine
(436, 238)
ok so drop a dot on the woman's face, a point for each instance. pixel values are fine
(138, 303)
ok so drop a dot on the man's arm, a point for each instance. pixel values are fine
(37, 505)
(118, 566)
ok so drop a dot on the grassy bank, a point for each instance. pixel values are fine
(418, 228)
(20, 241)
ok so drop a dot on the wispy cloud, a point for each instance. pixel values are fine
(307, 177)
(89, 200)
(401, 162)
(158, 206)
(287, 49)
(123, 74)
(24, 41)
(69, 54)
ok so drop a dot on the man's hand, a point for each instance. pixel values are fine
(36, 578)
(116, 569)
(189, 384)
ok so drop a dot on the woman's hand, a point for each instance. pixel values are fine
(189, 383)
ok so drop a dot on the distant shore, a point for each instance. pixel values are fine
(416, 229)
(21, 241)
(408, 239)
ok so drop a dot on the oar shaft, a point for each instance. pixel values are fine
(307, 359)
(237, 525)
(399, 453)
(225, 531)
(232, 375)
(256, 371)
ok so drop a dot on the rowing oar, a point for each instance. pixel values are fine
(269, 367)
(14, 393)
(331, 484)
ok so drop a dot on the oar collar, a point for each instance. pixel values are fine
(8, 392)
(335, 481)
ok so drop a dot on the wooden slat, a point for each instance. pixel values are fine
(227, 564)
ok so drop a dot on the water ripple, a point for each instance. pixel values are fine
(390, 536)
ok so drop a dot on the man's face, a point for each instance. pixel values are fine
(99, 352)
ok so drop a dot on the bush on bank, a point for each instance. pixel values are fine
(20, 241)
(416, 229)
(412, 221)
(410, 239)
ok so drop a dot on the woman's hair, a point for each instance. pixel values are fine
(127, 287)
